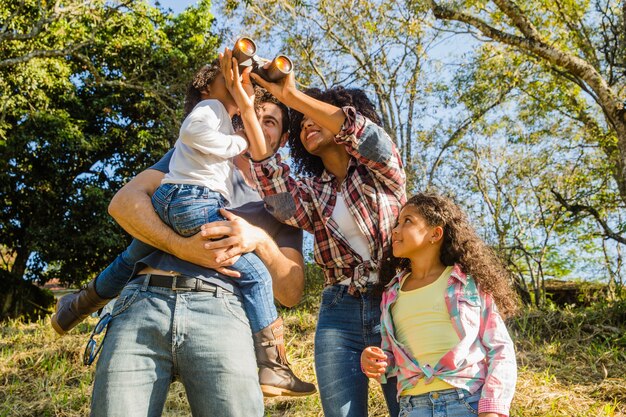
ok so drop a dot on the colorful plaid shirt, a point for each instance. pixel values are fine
(374, 191)
(483, 359)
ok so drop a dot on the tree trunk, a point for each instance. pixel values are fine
(618, 122)
(18, 268)
(520, 287)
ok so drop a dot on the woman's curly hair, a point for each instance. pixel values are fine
(462, 245)
(311, 165)
(200, 82)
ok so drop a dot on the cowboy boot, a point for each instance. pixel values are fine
(275, 376)
(71, 309)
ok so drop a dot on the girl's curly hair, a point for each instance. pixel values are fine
(200, 82)
(461, 245)
(311, 165)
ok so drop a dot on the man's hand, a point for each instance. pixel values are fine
(235, 237)
(192, 249)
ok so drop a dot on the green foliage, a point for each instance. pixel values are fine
(570, 87)
(92, 93)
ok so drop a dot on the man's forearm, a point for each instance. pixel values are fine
(131, 207)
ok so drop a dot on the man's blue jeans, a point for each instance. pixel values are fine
(347, 325)
(185, 208)
(202, 339)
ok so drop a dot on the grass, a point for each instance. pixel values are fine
(572, 363)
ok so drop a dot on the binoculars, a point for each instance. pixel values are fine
(245, 53)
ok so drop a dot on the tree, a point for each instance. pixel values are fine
(584, 45)
(519, 213)
(92, 93)
(506, 166)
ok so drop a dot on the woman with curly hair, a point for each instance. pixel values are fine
(443, 333)
(353, 189)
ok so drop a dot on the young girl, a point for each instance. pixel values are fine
(197, 186)
(443, 333)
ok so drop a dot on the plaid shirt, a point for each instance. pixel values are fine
(374, 191)
(483, 359)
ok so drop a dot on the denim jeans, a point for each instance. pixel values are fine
(113, 279)
(187, 207)
(446, 403)
(202, 339)
(347, 325)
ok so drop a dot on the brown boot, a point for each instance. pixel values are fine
(275, 376)
(73, 308)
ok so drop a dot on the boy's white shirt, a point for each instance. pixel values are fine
(205, 145)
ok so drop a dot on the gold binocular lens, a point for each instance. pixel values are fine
(279, 68)
(283, 63)
(244, 47)
(245, 53)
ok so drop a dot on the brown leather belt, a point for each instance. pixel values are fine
(175, 282)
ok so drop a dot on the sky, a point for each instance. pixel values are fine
(176, 5)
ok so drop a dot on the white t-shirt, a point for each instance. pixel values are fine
(350, 230)
(205, 144)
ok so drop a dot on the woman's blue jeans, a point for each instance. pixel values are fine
(186, 208)
(447, 403)
(347, 325)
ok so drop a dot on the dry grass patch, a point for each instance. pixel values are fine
(572, 363)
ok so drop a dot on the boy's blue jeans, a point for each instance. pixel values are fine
(185, 208)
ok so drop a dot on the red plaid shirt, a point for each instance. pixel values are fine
(374, 191)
